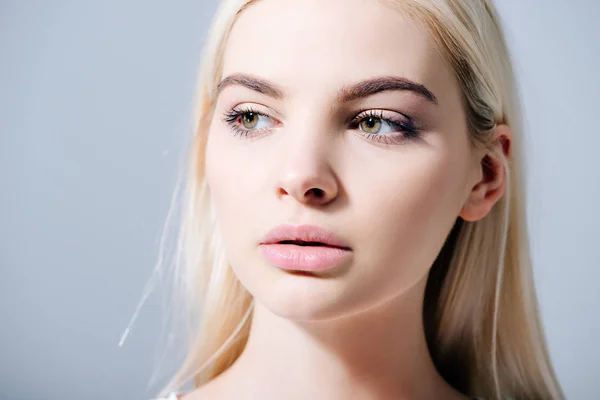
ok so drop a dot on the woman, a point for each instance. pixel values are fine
(354, 223)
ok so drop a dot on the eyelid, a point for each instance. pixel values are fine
(351, 117)
(259, 108)
(379, 113)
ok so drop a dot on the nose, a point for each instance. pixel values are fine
(307, 176)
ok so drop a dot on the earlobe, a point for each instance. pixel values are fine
(492, 185)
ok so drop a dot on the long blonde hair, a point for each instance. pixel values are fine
(480, 311)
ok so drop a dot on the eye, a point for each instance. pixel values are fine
(371, 125)
(374, 125)
(377, 125)
(251, 119)
(247, 121)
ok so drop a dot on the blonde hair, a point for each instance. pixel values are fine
(480, 311)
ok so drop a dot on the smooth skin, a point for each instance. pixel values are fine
(355, 332)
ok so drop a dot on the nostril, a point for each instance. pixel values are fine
(318, 193)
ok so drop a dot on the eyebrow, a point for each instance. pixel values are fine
(353, 92)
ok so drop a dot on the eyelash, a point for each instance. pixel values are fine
(407, 131)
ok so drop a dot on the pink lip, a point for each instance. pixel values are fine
(330, 252)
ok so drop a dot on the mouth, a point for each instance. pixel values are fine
(304, 243)
(304, 235)
(304, 248)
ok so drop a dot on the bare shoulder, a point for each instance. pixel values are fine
(172, 396)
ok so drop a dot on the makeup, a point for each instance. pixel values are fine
(304, 248)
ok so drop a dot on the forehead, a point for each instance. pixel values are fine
(320, 44)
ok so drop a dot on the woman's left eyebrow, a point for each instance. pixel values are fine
(353, 92)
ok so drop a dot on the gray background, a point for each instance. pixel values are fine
(95, 105)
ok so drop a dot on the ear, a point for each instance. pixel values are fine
(491, 183)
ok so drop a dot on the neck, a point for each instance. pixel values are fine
(380, 353)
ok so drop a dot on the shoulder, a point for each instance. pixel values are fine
(171, 396)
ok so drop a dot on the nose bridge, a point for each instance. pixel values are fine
(307, 141)
(306, 164)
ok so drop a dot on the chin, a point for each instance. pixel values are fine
(301, 296)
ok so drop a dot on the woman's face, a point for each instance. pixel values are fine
(303, 140)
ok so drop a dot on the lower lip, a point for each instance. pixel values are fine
(304, 258)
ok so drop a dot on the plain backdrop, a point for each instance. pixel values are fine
(95, 111)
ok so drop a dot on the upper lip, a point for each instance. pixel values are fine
(304, 233)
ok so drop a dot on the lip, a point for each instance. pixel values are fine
(330, 251)
(306, 233)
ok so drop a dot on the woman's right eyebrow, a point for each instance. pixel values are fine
(259, 85)
(353, 92)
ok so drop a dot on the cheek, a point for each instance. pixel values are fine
(235, 199)
(222, 176)
(225, 168)
(404, 214)
(234, 186)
